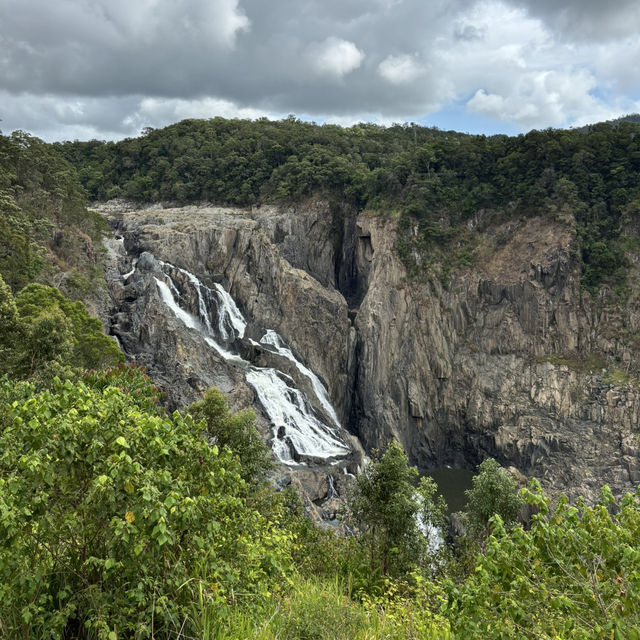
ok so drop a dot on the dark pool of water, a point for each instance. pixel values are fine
(452, 483)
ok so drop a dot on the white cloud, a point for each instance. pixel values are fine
(400, 69)
(160, 111)
(539, 98)
(336, 57)
(516, 70)
(152, 21)
(75, 117)
(114, 64)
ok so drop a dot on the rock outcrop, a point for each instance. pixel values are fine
(511, 359)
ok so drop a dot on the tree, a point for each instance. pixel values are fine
(493, 492)
(9, 326)
(56, 329)
(236, 431)
(46, 338)
(119, 523)
(392, 513)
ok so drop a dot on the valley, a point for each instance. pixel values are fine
(455, 374)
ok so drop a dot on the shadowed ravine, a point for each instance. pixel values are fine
(316, 330)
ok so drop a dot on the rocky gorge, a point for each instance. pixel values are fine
(510, 358)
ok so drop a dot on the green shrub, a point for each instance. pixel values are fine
(114, 521)
(52, 328)
(237, 432)
(574, 574)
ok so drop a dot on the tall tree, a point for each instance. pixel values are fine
(394, 512)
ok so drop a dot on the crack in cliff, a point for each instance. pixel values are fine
(353, 262)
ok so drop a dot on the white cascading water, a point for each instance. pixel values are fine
(167, 297)
(293, 420)
(272, 339)
(203, 313)
(229, 314)
(289, 408)
(126, 276)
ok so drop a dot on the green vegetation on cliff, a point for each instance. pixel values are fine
(46, 233)
(44, 333)
(437, 181)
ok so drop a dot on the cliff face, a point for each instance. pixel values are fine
(499, 363)
(461, 374)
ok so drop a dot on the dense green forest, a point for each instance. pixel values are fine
(46, 232)
(120, 521)
(437, 180)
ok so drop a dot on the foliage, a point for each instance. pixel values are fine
(414, 605)
(317, 609)
(117, 521)
(44, 226)
(436, 180)
(494, 492)
(574, 574)
(41, 327)
(132, 380)
(237, 432)
(114, 521)
(392, 513)
(9, 323)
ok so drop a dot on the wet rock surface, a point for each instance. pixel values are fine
(456, 374)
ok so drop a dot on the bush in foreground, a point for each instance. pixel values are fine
(574, 574)
(114, 521)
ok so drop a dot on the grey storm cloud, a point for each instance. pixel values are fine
(108, 67)
(592, 20)
(254, 53)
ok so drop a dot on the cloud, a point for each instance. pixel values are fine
(400, 69)
(110, 65)
(77, 117)
(539, 97)
(514, 70)
(336, 57)
(158, 110)
(586, 20)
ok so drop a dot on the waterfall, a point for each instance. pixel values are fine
(127, 275)
(229, 314)
(292, 416)
(273, 339)
(332, 492)
(167, 297)
(297, 431)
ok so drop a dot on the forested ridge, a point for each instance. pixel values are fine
(437, 179)
(118, 520)
(46, 232)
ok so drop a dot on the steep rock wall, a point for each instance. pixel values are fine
(459, 374)
(482, 367)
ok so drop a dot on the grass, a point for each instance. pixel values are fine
(592, 363)
(321, 609)
(618, 378)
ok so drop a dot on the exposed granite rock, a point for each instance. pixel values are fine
(455, 374)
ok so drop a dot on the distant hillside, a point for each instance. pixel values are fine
(436, 181)
(634, 118)
(46, 232)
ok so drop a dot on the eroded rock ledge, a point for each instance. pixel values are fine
(480, 368)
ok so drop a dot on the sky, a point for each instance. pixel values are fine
(83, 69)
